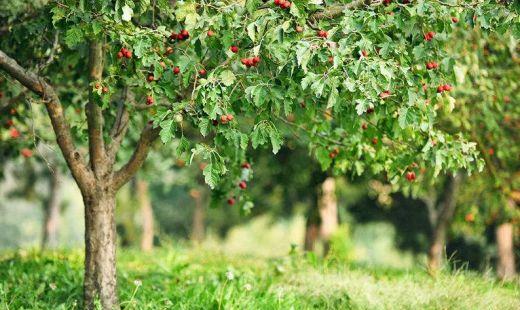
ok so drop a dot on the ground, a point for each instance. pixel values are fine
(197, 278)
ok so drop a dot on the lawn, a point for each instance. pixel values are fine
(187, 278)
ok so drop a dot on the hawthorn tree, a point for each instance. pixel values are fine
(348, 70)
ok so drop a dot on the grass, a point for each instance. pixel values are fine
(201, 279)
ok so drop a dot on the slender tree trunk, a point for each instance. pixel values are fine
(442, 222)
(52, 213)
(145, 204)
(198, 227)
(312, 231)
(100, 250)
(328, 209)
(506, 257)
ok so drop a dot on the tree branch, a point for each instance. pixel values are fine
(94, 116)
(59, 124)
(123, 175)
(119, 129)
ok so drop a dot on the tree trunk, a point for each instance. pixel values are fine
(198, 229)
(100, 250)
(328, 209)
(442, 221)
(506, 257)
(312, 231)
(143, 197)
(52, 213)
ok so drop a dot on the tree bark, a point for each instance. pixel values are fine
(143, 198)
(198, 227)
(328, 210)
(506, 269)
(100, 250)
(442, 221)
(52, 213)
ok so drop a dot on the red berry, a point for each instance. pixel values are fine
(364, 126)
(387, 2)
(285, 5)
(119, 55)
(210, 33)
(231, 201)
(331, 59)
(105, 89)
(370, 110)
(97, 86)
(185, 34)
(214, 122)
(234, 49)
(14, 133)
(322, 34)
(276, 2)
(127, 54)
(149, 100)
(173, 36)
(299, 29)
(9, 123)
(447, 87)
(230, 117)
(180, 37)
(491, 151)
(242, 184)
(455, 20)
(332, 155)
(246, 165)
(364, 53)
(150, 77)
(223, 119)
(26, 152)
(440, 89)
(385, 94)
(374, 140)
(202, 72)
(255, 60)
(410, 176)
(176, 70)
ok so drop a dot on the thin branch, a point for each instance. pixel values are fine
(59, 124)
(119, 129)
(93, 111)
(123, 175)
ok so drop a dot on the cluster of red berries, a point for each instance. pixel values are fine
(234, 49)
(181, 36)
(251, 62)
(443, 88)
(224, 119)
(385, 94)
(322, 33)
(123, 52)
(149, 100)
(283, 4)
(432, 65)
(333, 153)
(429, 35)
(410, 176)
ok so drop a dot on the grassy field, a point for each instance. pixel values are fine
(202, 279)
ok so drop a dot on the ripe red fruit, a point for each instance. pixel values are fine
(230, 117)
(387, 2)
(491, 151)
(127, 54)
(176, 70)
(202, 72)
(364, 53)
(149, 100)
(97, 86)
(331, 59)
(173, 36)
(246, 165)
(255, 60)
(410, 176)
(242, 184)
(223, 119)
(299, 29)
(447, 87)
(277, 2)
(332, 155)
(26, 152)
(14, 133)
(150, 77)
(234, 49)
(322, 34)
(454, 20)
(231, 201)
(119, 55)
(374, 140)
(429, 35)
(440, 89)
(105, 89)
(385, 94)
(185, 34)
(364, 126)
(210, 33)
(285, 5)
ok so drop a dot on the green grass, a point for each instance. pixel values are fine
(200, 279)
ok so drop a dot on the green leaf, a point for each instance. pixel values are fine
(74, 36)
(227, 77)
(166, 132)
